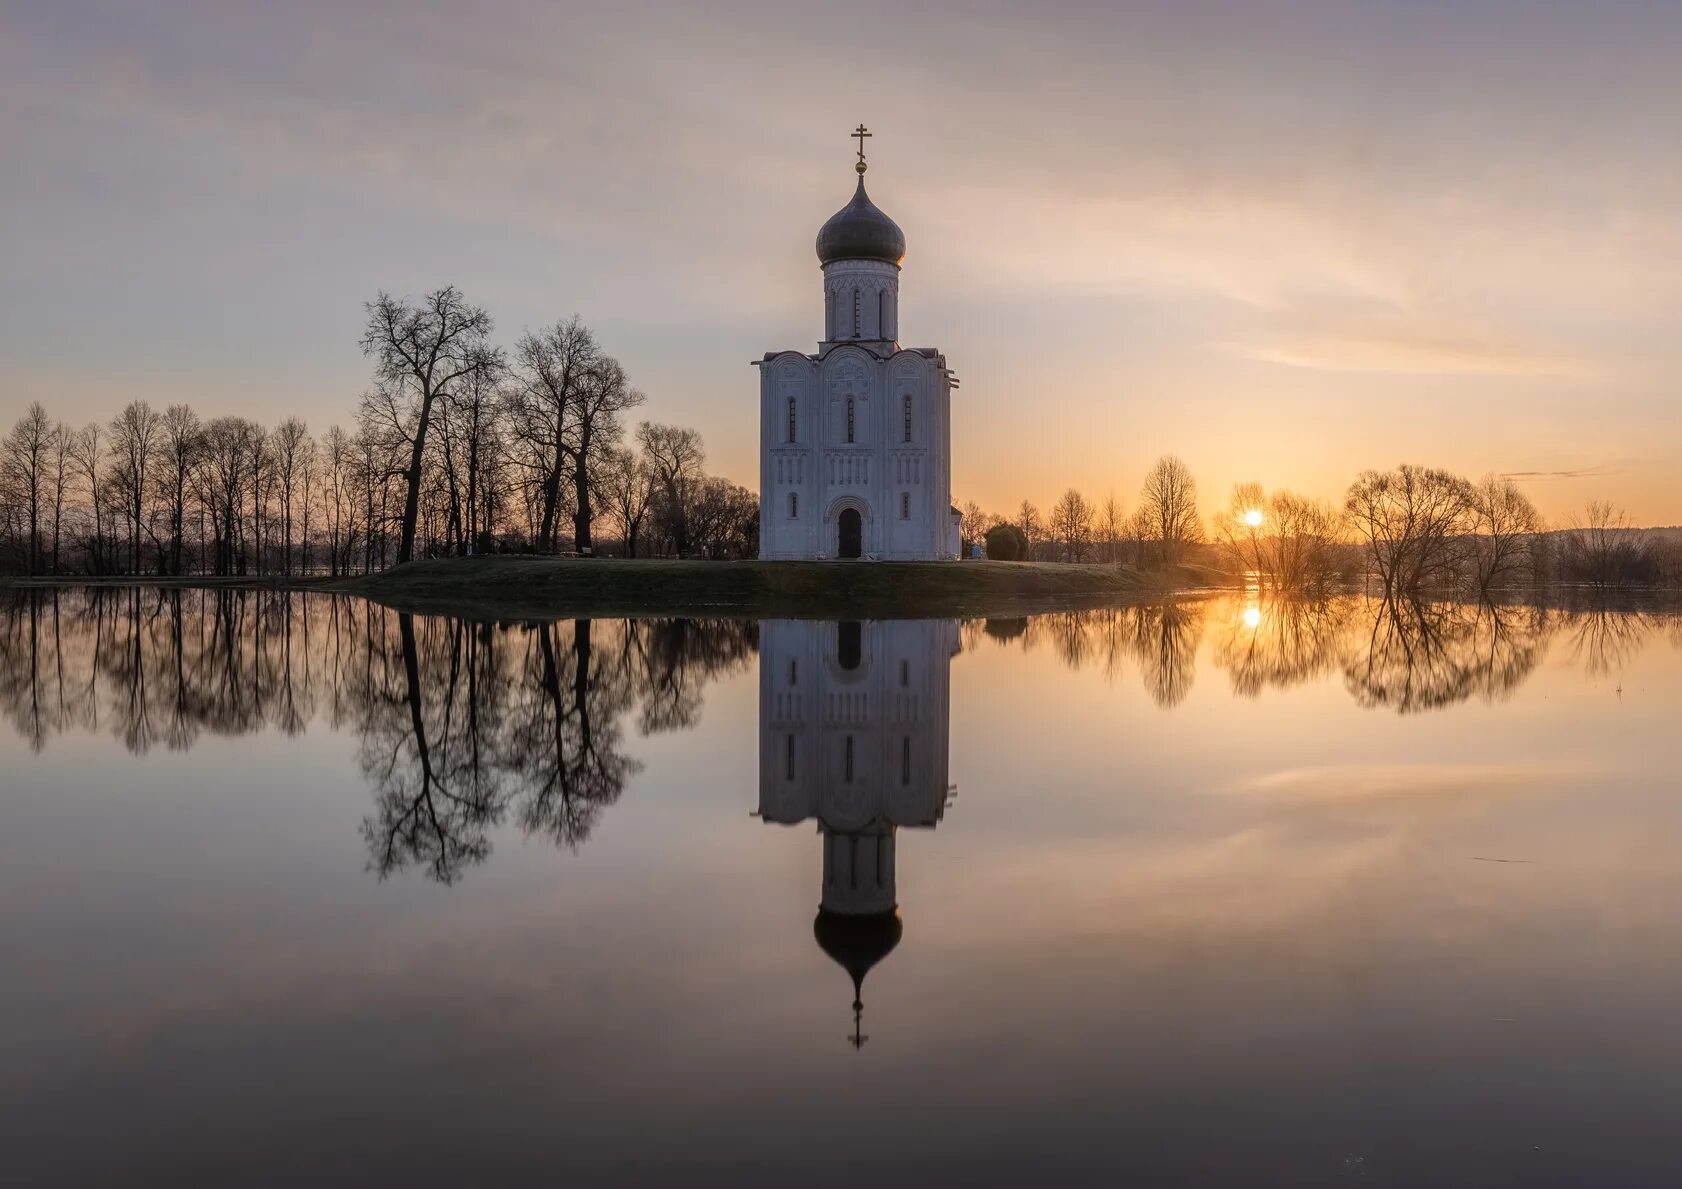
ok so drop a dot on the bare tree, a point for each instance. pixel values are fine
(972, 524)
(87, 458)
(291, 447)
(135, 434)
(180, 445)
(420, 352)
(26, 470)
(1110, 526)
(1028, 520)
(550, 369)
(221, 481)
(1507, 524)
(674, 455)
(1167, 515)
(1604, 550)
(1071, 523)
(595, 427)
(628, 486)
(1281, 541)
(1415, 523)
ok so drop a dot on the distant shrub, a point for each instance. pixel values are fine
(1006, 542)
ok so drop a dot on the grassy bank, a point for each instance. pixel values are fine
(514, 587)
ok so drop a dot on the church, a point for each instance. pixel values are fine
(855, 442)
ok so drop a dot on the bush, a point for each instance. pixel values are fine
(1006, 542)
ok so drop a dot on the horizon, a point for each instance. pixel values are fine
(1286, 244)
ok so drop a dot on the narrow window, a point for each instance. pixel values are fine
(904, 759)
(791, 424)
(849, 751)
(849, 644)
(851, 423)
(907, 417)
(789, 762)
(881, 313)
(793, 672)
(857, 314)
(794, 505)
(904, 673)
(905, 505)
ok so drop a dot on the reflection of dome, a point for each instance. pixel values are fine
(857, 943)
(860, 231)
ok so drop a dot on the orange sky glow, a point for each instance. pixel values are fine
(1285, 241)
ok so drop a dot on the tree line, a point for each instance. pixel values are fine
(1410, 530)
(459, 446)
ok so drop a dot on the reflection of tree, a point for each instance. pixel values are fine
(434, 801)
(1605, 632)
(677, 657)
(1165, 641)
(461, 726)
(1283, 642)
(1420, 656)
(565, 738)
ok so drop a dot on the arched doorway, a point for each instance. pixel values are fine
(850, 528)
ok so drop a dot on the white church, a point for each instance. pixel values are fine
(855, 442)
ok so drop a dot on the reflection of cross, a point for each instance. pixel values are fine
(859, 134)
(858, 1038)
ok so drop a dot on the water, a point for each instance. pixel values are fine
(298, 890)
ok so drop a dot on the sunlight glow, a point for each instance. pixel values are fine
(1253, 517)
(1252, 617)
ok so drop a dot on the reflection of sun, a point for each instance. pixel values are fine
(1253, 518)
(1252, 617)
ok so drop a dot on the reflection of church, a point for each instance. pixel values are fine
(853, 728)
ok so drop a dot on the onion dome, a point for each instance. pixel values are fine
(860, 231)
(857, 943)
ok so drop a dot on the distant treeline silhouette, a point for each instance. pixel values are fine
(461, 446)
(458, 447)
(1410, 530)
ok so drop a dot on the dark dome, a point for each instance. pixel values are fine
(857, 943)
(859, 231)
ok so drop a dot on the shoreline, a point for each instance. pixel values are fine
(516, 587)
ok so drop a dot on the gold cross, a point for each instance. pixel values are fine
(859, 134)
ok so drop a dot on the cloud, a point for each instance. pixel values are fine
(1410, 350)
(1577, 473)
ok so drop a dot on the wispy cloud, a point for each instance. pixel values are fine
(1572, 473)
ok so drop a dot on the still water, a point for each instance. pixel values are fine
(297, 890)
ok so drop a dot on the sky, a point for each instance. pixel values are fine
(1285, 241)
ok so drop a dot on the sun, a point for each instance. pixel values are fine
(1253, 518)
(1252, 617)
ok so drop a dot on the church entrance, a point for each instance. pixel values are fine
(850, 526)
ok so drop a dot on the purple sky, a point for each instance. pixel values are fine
(1286, 241)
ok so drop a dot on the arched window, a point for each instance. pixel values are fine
(907, 417)
(793, 671)
(791, 422)
(881, 313)
(849, 761)
(905, 505)
(851, 424)
(794, 505)
(904, 759)
(858, 315)
(789, 761)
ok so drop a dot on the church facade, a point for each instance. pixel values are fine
(855, 456)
